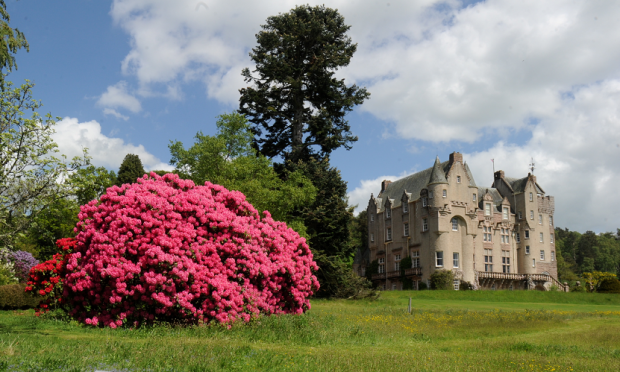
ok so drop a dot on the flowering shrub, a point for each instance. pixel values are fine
(165, 249)
(45, 279)
(23, 262)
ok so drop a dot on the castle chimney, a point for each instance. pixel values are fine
(384, 184)
(499, 174)
(456, 156)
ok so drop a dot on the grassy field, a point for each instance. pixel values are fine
(446, 331)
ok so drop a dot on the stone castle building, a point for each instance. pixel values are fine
(498, 237)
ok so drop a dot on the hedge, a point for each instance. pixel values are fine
(14, 296)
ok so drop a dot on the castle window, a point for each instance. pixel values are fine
(406, 229)
(552, 255)
(542, 255)
(455, 259)
(506, 262)
(397, 262)
(488, 260)
(445, 193)
(405, 207)
(425, 224)
(541, 237)
(518, 238)
(531, 197)
(487, 233)
(531, 215)
(388, 212)
(381, 265)
(505, 213)
(527, 249)
(372, 218)
(430, 194)
(520, 215)
(389, 233)
(505, 236)
(551, 238)
(439, 259)
(550, 220)
(415, 259)
(527, 234)
(533, 262)
(372, 237)
(424, 202)
(487, 209)
(455, 224)
(456, 284)
(540, 219)
(458, 179)
(474, 195)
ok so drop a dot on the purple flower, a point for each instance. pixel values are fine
(23, 262)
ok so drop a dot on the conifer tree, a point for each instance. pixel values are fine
(131, 169)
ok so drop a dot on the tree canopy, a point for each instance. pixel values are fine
(227, 159)
(296, 103)
(131, 169)
(31, 174)
(10, 41)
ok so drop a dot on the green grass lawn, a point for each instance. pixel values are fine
(446, 331)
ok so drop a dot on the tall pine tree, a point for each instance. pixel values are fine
(131, 169)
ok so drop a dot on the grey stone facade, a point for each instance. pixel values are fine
(498, 237)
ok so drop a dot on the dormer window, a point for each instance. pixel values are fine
(424, 202)
(531, 197)
(520, 215)
(458, 179)
(372, 218)
(505, 213)
(388, 212)
(389, 234)
(405, 207)
(487, 209)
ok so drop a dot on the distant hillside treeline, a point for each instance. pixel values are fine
(587, 252)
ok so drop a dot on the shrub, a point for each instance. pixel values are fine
(466, 286)
(7, 274)
(442, 279)
(23, 262)
(578, 288)
(164, 249)
(13, 296)
(609, 286)
(422, 286)
(46, 279)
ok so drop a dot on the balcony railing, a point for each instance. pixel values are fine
(534, 277)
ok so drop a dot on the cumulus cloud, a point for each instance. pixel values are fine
(109, 111)
(72, 136)
(117, 96)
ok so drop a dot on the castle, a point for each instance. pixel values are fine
(498, 237)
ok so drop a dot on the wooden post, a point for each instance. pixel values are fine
(409, 305)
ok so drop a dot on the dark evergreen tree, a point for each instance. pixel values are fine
(296, 102)
(131, 169)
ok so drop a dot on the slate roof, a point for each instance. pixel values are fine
(518, 184)
(414, 183)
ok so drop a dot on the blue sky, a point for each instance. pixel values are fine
(508, 80)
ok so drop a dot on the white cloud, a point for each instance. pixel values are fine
(117, 96)
(72, 136)
(109, 111)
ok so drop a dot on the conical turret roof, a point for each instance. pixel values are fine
(437, 174)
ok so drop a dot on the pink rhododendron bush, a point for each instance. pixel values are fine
(165, 249)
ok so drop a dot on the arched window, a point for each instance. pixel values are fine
(455, 224)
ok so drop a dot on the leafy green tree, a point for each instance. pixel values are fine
(131, 169)
(91, 182)
(55, 221)
(295, 99)
(10, 41)
(587, 250)
(227, 159)
(442, 279)
(29, 164)
(359, 231)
